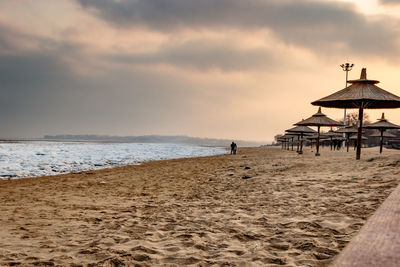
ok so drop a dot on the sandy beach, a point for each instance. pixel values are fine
(261, 207)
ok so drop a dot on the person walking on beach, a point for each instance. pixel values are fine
(233, 148)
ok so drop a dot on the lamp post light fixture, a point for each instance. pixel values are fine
(346, 67)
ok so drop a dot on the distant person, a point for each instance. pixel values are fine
(233, 148)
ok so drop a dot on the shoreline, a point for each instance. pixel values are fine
(293, 210)
(91, 171)
(35, 159)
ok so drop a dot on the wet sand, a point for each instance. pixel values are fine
(261, 207)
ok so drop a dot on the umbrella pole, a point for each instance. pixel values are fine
(331, 142)
(380, 150)
(298, 143)
(317, 154)
(360, 118)
(347, 141)
(301, 144)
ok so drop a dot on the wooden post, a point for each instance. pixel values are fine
(347, 141)
(292, 143)
(317, 154)
(380, 150)
(359, 135)
(301, 143)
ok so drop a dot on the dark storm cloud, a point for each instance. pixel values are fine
(173, 14)
(318, 25)
(204, 55)
(41, 93)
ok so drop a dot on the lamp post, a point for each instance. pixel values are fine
(346, 67)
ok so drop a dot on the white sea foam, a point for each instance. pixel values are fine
(30, 159)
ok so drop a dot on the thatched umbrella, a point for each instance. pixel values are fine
(280, 139)
(347, 131)
(360, 94)
(355, 138)
(314, 137)
(331, 134)
(287, 137)
(382, 125)
(300, 131)
(318, 119)
(285, 140)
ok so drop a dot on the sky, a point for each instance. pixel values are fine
(212, 68)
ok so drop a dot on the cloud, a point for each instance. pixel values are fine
(43, 91)
(389, 2)
(317, 25)
(205, 55)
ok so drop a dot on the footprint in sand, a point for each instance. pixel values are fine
(145, 250)
(141, 257)
(173, 249)
(280, 246)
(277, 261)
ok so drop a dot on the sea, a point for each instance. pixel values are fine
(40, 158)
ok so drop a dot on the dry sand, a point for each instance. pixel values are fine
(294, 210)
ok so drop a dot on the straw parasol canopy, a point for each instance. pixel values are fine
(330, 133)
(347, 131)
(361, 94)
(318, 119)
(315, 137)
(382, 125)
(300, 131)
(385, 134)
(355, 136)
